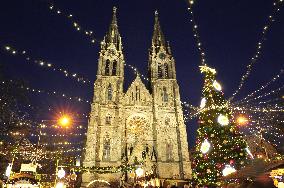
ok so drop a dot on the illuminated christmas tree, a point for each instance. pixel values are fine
(220, 148)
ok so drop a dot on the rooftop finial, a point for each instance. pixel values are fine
(156, 13)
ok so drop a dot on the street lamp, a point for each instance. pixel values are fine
(242, 120)
(64, 121)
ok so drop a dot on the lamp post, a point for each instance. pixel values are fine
(63, 121)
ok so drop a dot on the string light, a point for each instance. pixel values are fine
(263, 95)
(45, 64)
(259, 48)
(88, 33)
(264, 119)
(135, 71)
(196, 34)
(263, 86)
(51, 93)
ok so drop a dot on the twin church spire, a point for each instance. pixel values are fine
(158, 40)
(161, 63)
(113, 36)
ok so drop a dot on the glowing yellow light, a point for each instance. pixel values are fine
(64, 121)
(242, 120)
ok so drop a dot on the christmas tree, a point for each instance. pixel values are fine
(220, 148)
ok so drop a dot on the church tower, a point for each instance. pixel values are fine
(103, 126)
(168, 123)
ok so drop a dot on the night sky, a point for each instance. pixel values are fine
(229, 32)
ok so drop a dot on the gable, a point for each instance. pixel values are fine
(137, 94)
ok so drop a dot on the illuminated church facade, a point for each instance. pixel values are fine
(139, 125)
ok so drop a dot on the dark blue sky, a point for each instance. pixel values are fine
(229, 31)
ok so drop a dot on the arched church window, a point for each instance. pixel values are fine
(114, 67)
(160, 71)
(108, 119)
(166, 66)
(165, 95)
(109, 92)
(107, 67)
(106, 148)
(169, 151)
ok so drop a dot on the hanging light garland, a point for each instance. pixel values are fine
(263, 95)
(259, 48)
(263, 86)
(135, 71)
(45, 64)
(70, 17)
(196, 34)
(265, 120)
(51, 93)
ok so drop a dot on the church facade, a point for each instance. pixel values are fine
(139, 125)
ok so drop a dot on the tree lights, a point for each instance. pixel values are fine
(223, 120)
(220, 149)
(228, 170)
(205, 146)
(196, 34)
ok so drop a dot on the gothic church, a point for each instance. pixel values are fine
(141, 123)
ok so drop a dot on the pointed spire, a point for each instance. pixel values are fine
(114, 19)
(158, 36)
(113, 36)
(113, 28)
